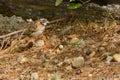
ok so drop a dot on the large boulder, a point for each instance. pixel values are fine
(41, 8)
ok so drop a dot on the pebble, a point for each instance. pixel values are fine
(78, 72)
(90, 75)
(78, 62)
(55, 76)
(21, 59)
(39, 43)
(34, 76)
(92, 54)
(87, 51)
(61, 46)
(109, 59)
(116, 57)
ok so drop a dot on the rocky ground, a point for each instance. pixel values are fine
(73, 50)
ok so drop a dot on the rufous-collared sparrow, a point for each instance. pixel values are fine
(40, 26)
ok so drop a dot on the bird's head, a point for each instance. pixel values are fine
(44, 21)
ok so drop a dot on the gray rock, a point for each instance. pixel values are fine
(55, 76)
(78, 62)
(116, 57)
(109, 59)
(34, 76)
(39, 43)
(114, 9)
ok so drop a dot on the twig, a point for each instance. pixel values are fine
(12, 33)
(4, 43)
(62, 19)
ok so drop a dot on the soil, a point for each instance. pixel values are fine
(54, 54)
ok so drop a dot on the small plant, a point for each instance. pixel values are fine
(58, 2)
(72, 5)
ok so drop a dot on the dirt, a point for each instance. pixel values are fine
(50, 56)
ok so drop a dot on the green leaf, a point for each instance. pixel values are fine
(72, 0)
(74, 6)
(58, 2)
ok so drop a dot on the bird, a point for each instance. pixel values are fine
(40, 26)
(43, 22)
